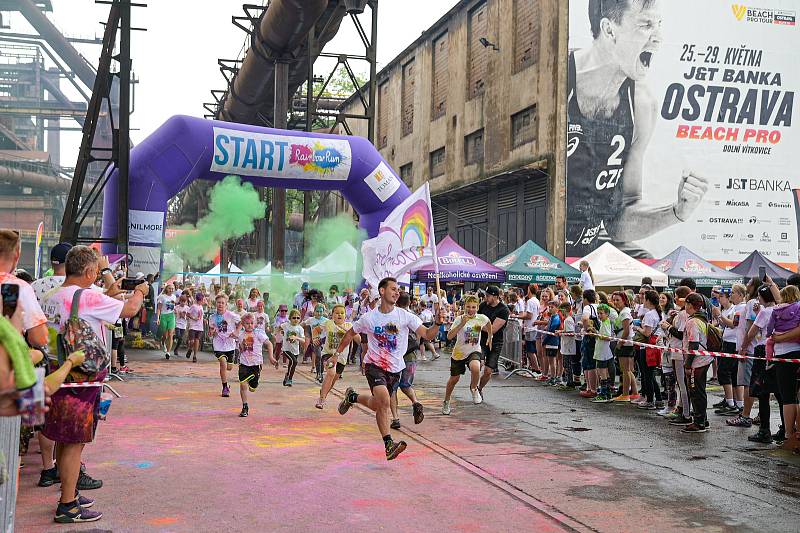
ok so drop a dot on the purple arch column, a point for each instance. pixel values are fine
(185, 149)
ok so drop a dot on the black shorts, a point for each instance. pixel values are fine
(728, 367)
(376, 376)
(339, 366)
(492, 357)
(250, 374)
(195, 334)
(459, 367)
(551, 352)
(227, 356)
(604, 364)
(625, 351)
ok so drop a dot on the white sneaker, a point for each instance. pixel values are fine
(445, 407)
(436, 356)
(476, 397)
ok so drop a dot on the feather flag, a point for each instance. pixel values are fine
(405, 241)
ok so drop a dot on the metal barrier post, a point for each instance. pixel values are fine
(512, 348)
(9, 466)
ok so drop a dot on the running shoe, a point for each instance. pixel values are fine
(621, 398)
(245, 411)
(601, 398)
(126, 370)
(73, 513)
(287, 382)
(680, 420)
(345, 404)
(188, 353)
(87, 482)
(635, 397)
(419, 412)
(226, 392)
(445, 407)
(764, 437)
(436, 356)
(49, 477)
(194, 358)
(726, 410)
(664, 412)
(757, 420)
(166, 355)
(320, 403)
(476, 397)
(649, 406)
(393, 449)
(740, 421)
(780, 435)
(566, 387)
(720, 404)
(83, 501)
(694, 428)
(395, 423)
(542, 377)
(660, 404)
(588, 393)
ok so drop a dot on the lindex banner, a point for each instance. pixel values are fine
(681, 128)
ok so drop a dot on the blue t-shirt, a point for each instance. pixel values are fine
(553, 341)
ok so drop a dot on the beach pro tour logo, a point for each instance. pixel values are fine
(247, 153)
(507, 261)
(541, 262)
(695, 267)
(760, 15)
(456, 259)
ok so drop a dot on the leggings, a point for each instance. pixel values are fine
(318, 366)
(680, 375)
(650, 387)
(669, 388)
(292, 365)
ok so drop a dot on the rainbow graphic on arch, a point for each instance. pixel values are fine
(416, 221)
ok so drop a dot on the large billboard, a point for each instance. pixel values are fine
(680, 128)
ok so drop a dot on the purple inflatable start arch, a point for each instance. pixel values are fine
(186, 148)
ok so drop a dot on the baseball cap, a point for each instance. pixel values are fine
(304, 286)
(727, 291)
(493, 290)
(58, 254)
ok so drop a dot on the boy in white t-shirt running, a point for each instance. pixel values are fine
(252, 343)
(195, 322)
(466, 329)
(223, 327)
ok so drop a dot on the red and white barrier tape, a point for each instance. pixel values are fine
(665, 348)
(85, 385)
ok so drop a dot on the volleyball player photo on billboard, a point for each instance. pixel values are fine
(611, 115)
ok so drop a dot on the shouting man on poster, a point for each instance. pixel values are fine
(611, 117)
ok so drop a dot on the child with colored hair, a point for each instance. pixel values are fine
(252, 343)
(602, 353)
(293, 336)
(331, 334)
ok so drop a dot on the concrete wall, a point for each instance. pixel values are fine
(506, 93)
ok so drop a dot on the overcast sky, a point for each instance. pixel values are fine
(176, 58)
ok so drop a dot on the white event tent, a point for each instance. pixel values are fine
(614, 268)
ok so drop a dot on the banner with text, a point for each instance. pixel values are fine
(680, 128)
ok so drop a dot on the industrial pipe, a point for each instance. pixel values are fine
(283, 28)
(26, 178)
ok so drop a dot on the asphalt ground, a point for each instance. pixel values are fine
(174, 456)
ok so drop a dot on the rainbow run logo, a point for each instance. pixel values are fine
(316, 158)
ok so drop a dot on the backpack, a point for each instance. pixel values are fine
(713, 334)
(79, 335)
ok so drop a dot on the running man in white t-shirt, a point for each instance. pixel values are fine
(387, 329)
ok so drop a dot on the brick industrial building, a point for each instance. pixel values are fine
(475, 107)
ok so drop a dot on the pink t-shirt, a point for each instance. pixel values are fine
(32, 313)
(195, 316)
(251, 347)
(94, 307)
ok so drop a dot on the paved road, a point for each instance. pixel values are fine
(175, 457)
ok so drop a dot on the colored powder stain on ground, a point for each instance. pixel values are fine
(163, 521)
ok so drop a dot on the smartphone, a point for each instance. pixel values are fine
(10, 295)
(31, 401)
(128, 284)
(762, 273)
